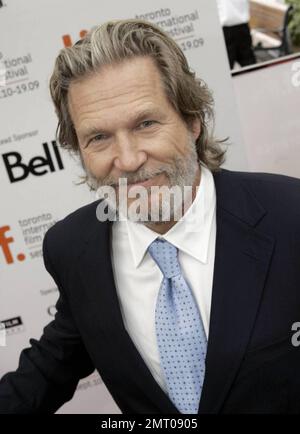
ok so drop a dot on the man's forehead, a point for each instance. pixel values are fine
(115, 90)
(138, 72)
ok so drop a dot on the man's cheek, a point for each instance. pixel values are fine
(97, 166)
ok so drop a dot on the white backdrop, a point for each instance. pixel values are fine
(37, 180)
(268, 100)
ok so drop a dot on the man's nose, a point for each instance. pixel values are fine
(129, 156)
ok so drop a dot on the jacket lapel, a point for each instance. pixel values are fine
(104, 312)
(242, 260)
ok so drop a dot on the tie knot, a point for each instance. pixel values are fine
(166, 257)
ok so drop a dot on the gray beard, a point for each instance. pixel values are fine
(181, 173)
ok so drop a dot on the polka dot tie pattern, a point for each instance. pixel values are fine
(180, 334)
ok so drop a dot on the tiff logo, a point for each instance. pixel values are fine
(67, 40)
(4, 245)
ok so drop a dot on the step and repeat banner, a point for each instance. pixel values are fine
(268, 100)
(38, 181)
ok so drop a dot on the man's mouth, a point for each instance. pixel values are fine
(148, 182)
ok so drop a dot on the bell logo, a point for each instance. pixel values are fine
(35, 166)
(4, 245)
(68, 41)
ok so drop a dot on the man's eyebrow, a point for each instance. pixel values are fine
(145, 114)
(135, 119)
(90, 131)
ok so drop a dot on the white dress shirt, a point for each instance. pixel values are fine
(138, 278)
(233, 12)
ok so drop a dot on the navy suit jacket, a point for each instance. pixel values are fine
(251, 364)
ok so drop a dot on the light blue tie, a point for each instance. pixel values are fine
(180, 334)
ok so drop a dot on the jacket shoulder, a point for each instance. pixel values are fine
(261, 177)
(278, 194)
(64, 240)
(261, 182)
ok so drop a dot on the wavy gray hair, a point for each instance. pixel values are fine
(116, 41)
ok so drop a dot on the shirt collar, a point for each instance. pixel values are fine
(190, 234)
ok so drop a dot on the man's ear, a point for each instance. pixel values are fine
(196, 128)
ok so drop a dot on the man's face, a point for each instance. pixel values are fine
(127, 128)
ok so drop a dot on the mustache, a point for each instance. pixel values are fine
(132, 178)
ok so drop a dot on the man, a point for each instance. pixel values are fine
(180, 315)
(234, 17)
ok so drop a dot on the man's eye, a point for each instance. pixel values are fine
(98, 138)
(146, 124)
